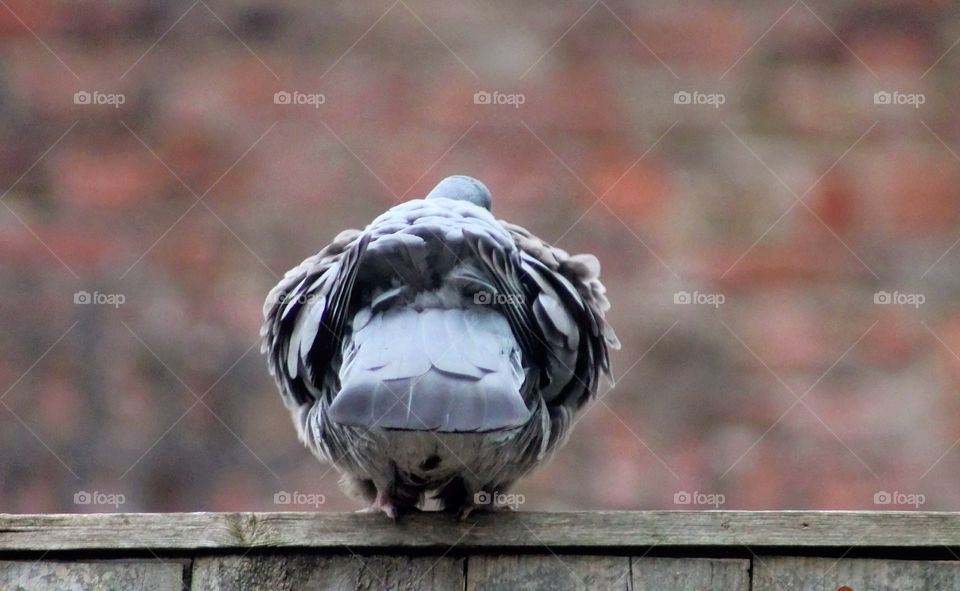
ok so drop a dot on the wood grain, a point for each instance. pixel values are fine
(548, 572)
(690, 574)
(304, 572)
(527, 551)
(854, 574)
(639, 529)
(103, 575)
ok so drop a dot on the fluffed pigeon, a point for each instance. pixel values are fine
(439, 353)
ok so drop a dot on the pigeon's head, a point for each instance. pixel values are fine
(462, 188)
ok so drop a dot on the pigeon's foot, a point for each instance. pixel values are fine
(383, 504)
(388, 509)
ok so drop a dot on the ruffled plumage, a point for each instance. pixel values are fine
(440, 320)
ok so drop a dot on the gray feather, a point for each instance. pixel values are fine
(426, 383)
(381, 334)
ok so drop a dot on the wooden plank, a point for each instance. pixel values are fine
(690, 574)
(638, 529)
(853, 574)
(323, 573)
(103, 575)
(548, 572)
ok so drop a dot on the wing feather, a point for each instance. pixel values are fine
(305, 315)
(568, 305)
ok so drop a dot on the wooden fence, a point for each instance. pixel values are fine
(656, 550)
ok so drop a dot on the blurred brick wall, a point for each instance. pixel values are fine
(797, 199)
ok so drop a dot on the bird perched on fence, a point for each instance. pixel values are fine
(439, 353)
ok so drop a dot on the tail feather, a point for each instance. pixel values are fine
(447, 370)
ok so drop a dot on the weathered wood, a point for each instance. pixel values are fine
(756, 529)
(503, 550)
(105, 575)
(548, 572)
(690, 574)
(327, 573)
(853, 574)
(574, 572)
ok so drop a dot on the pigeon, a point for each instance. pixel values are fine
(439, 354)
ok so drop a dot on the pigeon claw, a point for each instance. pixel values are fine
(388, 509)
(382, 504)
